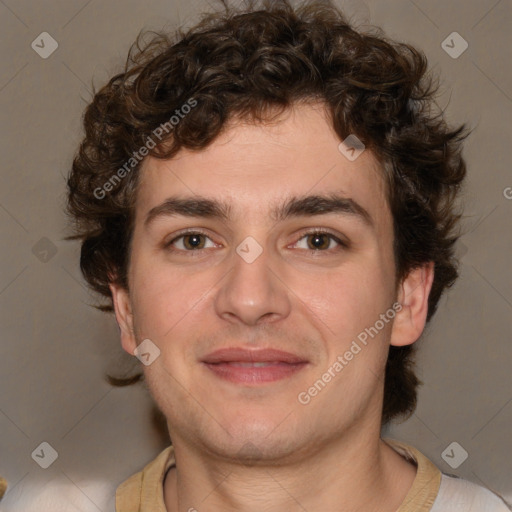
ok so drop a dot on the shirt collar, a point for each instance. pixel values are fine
(144, 490)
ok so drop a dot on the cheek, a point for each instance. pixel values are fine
(163, 299)
(347, 299)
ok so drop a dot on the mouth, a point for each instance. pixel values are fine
(248, 367)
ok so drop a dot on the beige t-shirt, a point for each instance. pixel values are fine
(431, 490)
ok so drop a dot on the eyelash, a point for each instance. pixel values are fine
(341, 243)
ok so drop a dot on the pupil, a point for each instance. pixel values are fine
(194, 240)
(316, 239)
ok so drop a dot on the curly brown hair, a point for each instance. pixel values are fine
(249, 63)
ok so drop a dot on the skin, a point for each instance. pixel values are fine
(256, 448)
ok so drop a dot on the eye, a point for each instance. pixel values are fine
(190, 241)
(319, 241)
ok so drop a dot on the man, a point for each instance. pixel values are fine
(268, 204)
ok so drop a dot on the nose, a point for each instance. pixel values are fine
(254, 292)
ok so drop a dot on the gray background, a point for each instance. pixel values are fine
(55, 348)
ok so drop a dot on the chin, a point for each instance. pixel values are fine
(258, 452)
(259, 439)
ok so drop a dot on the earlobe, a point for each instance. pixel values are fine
(124, 317)
(413, 296)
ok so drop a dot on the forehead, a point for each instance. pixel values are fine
(254, 167)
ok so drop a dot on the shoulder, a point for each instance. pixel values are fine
(439, 492)
(129, 491)
(459, 495)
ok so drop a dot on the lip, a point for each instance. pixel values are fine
(243, 355)
(258, 366)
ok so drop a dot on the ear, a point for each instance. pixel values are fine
(413, 295)
(124, 317)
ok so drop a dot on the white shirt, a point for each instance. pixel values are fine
(459, 495)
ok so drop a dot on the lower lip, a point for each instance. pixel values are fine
(242, 374)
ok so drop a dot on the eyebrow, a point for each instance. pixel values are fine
(304, 206)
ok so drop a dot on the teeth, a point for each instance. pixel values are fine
(253, 365)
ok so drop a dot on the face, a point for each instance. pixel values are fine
(255, 266)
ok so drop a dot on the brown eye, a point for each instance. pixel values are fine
(189, 242)
(195, 241)
(319, 241)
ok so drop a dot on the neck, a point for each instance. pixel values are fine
(354, 473)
